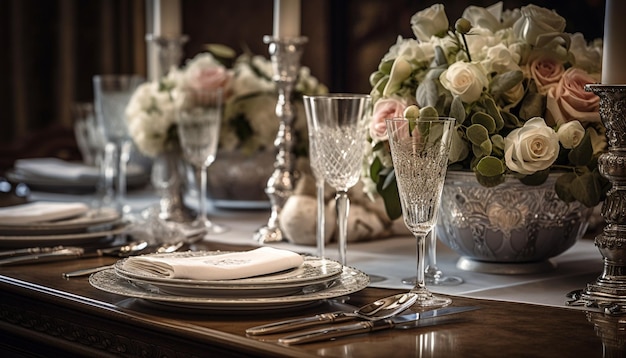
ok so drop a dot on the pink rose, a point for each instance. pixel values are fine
(203, 72)
(546, 72)
(385, 108)
(569, 101)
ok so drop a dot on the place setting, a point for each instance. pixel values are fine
(263, 278)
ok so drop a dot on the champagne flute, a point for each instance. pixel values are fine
(199, 116)
(112, 94)
(419, 151)
(338, 131)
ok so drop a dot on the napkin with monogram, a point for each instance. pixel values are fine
(40, 211)
(227, 266)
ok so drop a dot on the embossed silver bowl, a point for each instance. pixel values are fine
(509, 229)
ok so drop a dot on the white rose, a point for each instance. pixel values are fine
(480, 41)
(532, 148)
(481, 17)
(587, 57)
(536, 21)
(410, 48)
(500, 59)
(570, 134)
(429, 22)
(466, 80)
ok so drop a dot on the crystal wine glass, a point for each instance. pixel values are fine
(419, 150)
(337, 131)
(198, 122)
(112, 94)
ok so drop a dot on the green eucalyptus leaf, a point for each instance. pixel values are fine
(440, 57)
(533, 105)
(380, 86)
(586, 189)
(563, 187)
(510, 121)
(486, 147)
(477, 134)
(503, 82)
(428, 111)
(581, 154)
(490, 181)
(427, 93)
(493, 111)
(490, 167)
(498, 145)
(484, 120)
(537, 178)
(434, 73)
(457, 110)
(375, 77)
(375, 169)
(385, 67)
(459, 149)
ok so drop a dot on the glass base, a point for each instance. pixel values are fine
(426, 300)
(435, 281)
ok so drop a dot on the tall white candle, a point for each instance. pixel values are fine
(614, 45)
(167, 18)
(286, 18)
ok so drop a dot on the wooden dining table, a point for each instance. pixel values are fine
(44, 314)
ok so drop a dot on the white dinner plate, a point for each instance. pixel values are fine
(83, 238)
(227, 288)
(350, 281)
(312, 270)
(93, 220)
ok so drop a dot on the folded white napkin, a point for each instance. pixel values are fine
(57, 169)
(39, 211)
(261, 261)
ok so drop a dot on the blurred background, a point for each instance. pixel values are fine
(53, 48)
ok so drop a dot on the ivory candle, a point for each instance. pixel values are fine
(167, 18)
(286, 18)
(614, 46)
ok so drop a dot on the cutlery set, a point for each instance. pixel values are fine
(365, 325)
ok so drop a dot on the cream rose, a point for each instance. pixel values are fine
(546, 71)
(536, 21)
(429, 22)
(466, 80)
(203, 72)
(481, 17)
(532, 148)
(568, 100)
(383, 109)
(570, 134)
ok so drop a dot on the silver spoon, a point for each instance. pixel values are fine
(164, 248)
(380, 309)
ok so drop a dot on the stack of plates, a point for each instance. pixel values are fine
(85, 227)
(314, 280)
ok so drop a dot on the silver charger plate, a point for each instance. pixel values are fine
(350, 281)
(312, 270)
(94, 218)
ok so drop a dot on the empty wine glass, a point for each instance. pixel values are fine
(111, 96)
(419, 151)
(432, 273)
(199, 117)
(337, 131)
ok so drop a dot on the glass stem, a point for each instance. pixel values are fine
(432, 268)
(421, 248)
(343, 208)
(124, 157)
(321, 222)
(202, 192)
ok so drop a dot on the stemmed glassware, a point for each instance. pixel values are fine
(112, 94)
(199, 116)
(337, 131)
(419, 150)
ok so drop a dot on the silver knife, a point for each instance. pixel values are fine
(413, 320)
(29, 251)
(299, 323)
(56, 255)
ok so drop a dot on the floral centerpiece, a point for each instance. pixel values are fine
(249, 122)
(514, 81)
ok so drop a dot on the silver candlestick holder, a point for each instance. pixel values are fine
(608, 292)
(285, 55)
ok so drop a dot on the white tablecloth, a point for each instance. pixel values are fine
(394, 259)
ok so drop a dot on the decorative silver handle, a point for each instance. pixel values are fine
(299, 323)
